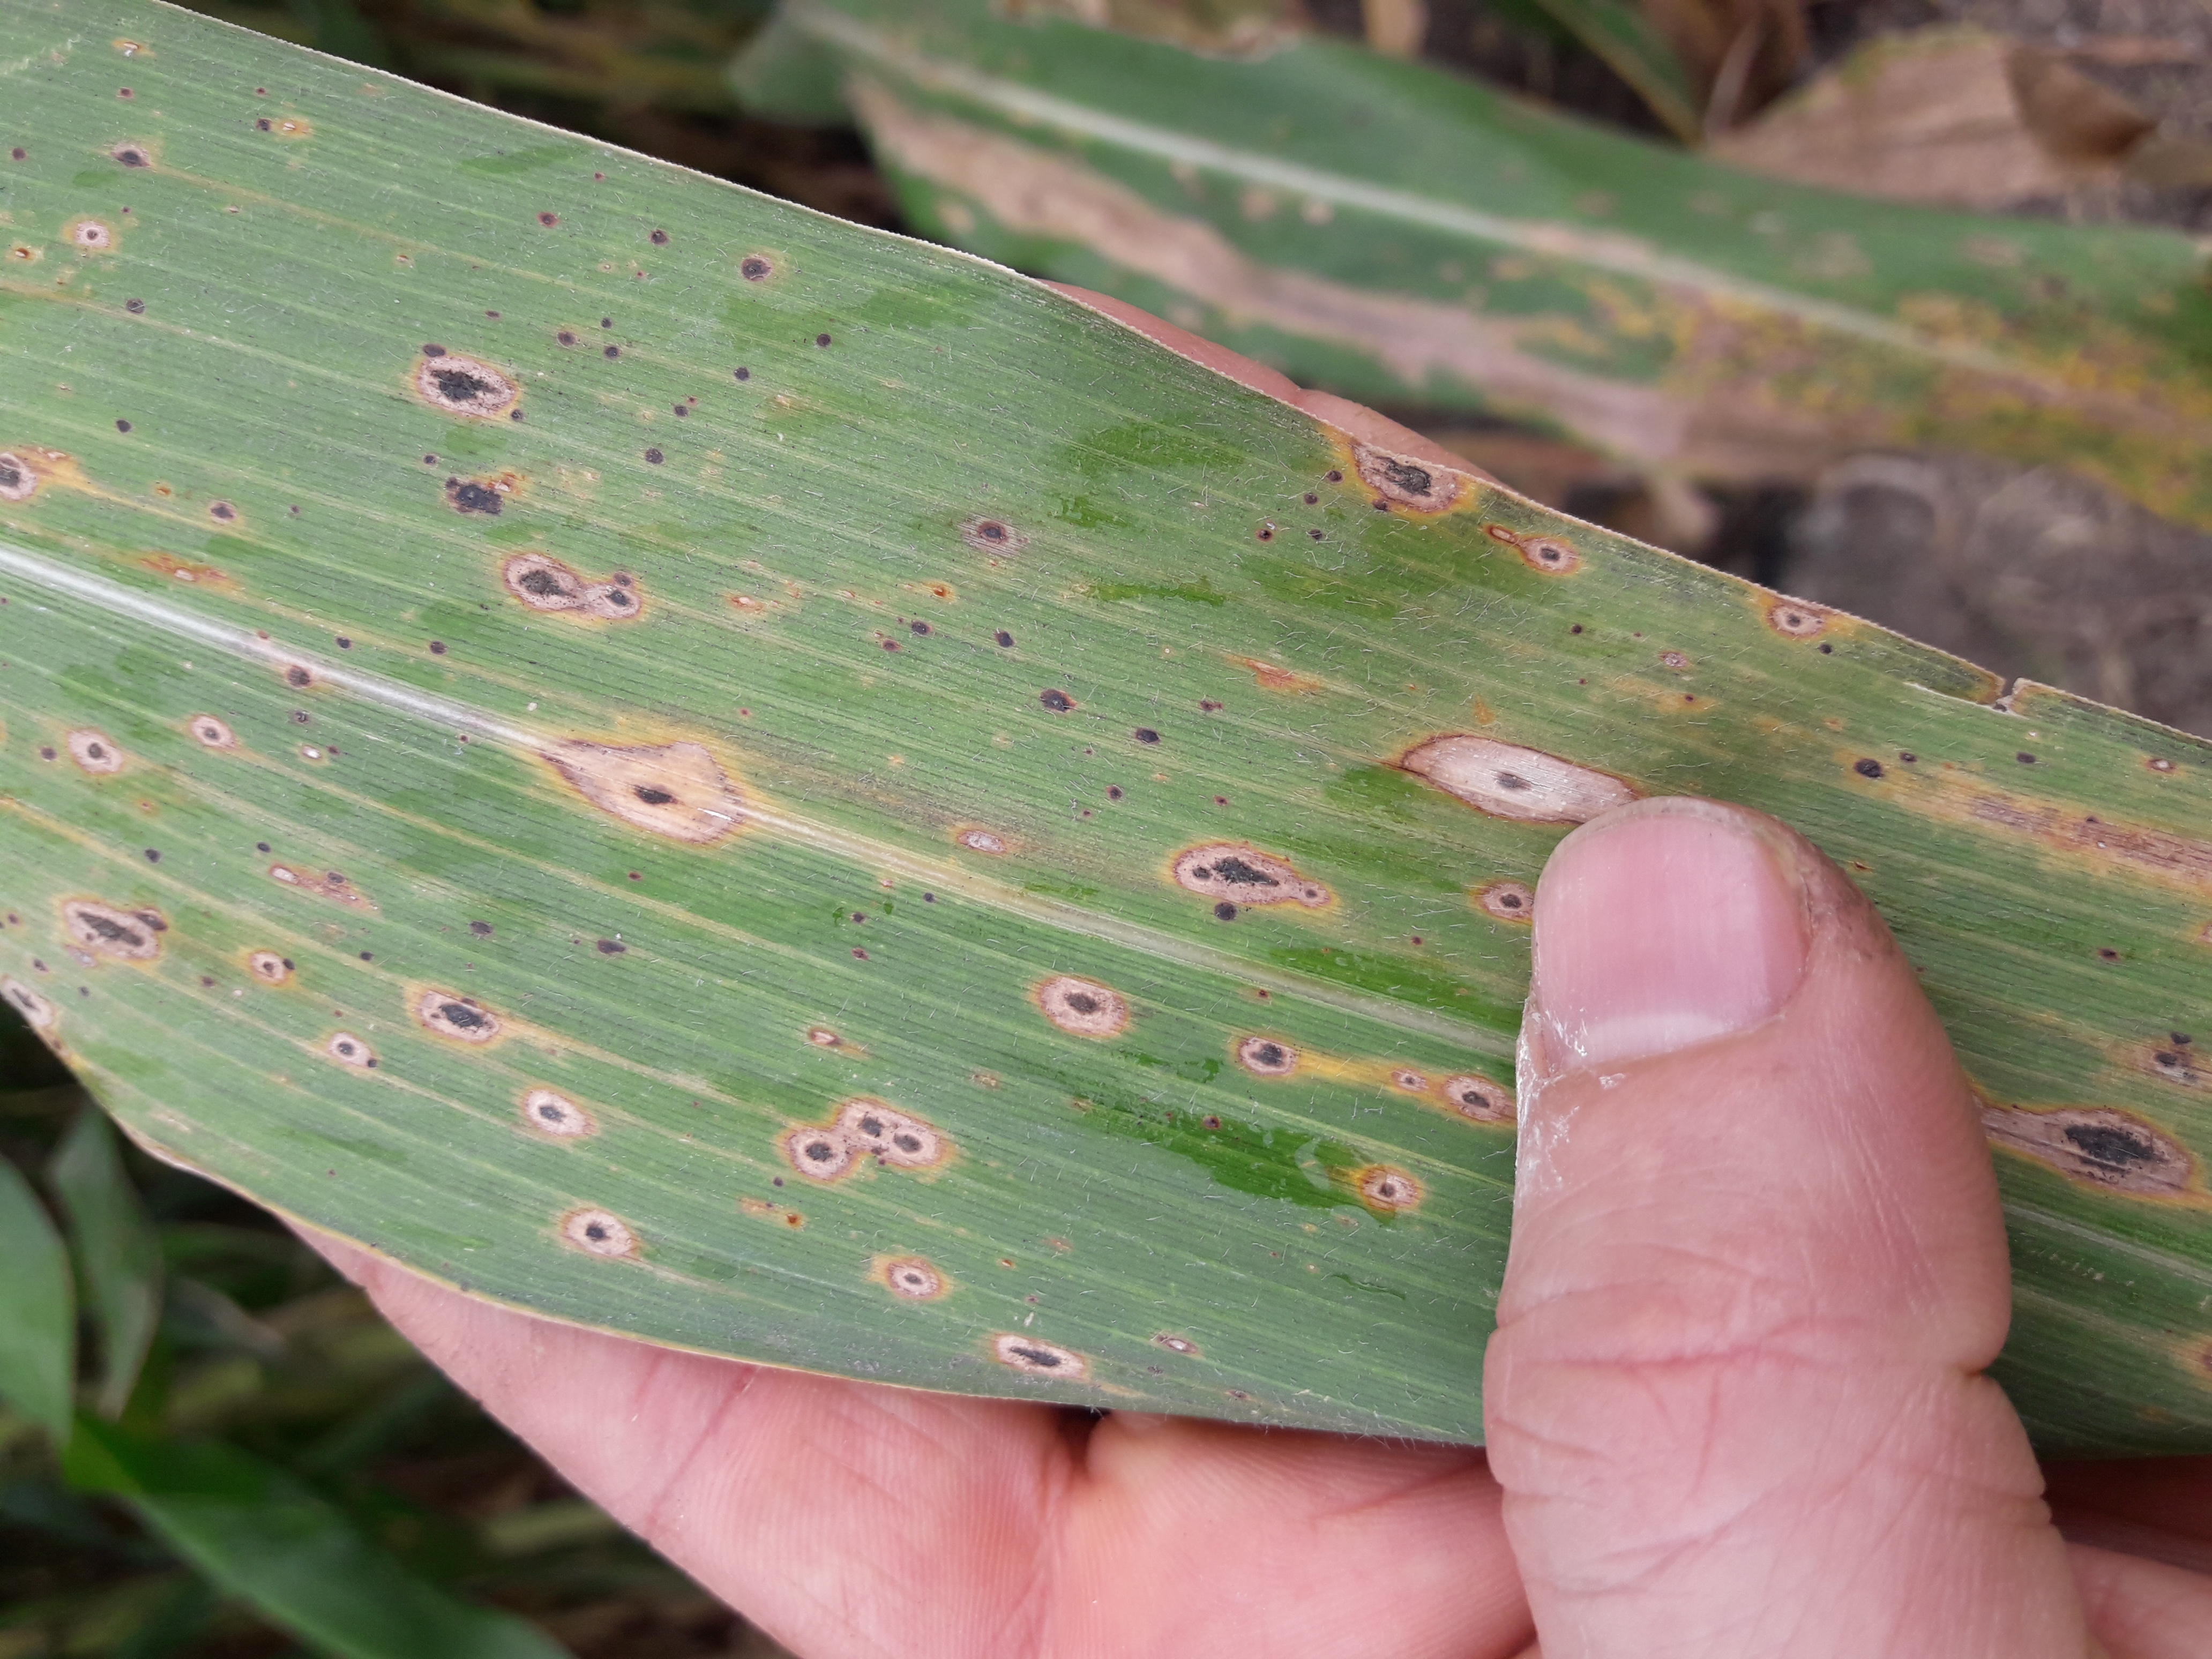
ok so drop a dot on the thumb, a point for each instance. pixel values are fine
(1734, 1397)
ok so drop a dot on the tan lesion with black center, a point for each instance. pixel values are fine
(2098, 1145)
(331, 885)
(817, 1153)
(465, 385)
(1239, 871)
(38, 1011)
(1082, 1007)
(1478, 1099)
(864, 1129)
(109, 931)
(1035, 1356)
(462, 1020)
(1387, 1189)
(1266, 1056)
(1507, 901)
(677, 790)
(910, 1278)
(1548, 553)
(2173, 1060)
(482, 497)
(598, 1232)
(94, 751)
(1795, 620)
(989, 534)
(19, 479)
(544, 583)
(1405, 481)
(890, 1136)
(1507, 781)
(549, 1112)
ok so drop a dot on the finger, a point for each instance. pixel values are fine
(1355, 421)
(849, 1520)
(1757, 1269)
(2143, 1609)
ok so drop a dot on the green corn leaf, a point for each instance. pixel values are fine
(38, 1311)
(1394, 233)
(271, 1540)
(119, 1255)
(784, 73)
(710, 773)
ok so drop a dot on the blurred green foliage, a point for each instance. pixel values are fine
(283, 1474)
(647, 74)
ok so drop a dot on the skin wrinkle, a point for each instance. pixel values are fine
(655, 1521)
(1422, 1488)
(1694, 1345)
(1026, 1624)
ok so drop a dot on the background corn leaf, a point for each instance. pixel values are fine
(262, 1535)
(38, 1310)
(708, 772)
(1396, 232)
(1622, 34)
(785, 74)
(118, 1259)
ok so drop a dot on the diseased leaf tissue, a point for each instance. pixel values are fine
(714, 773)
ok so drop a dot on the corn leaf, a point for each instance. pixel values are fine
(119, 1257)
(701, 770)
(294, 1556)
(1621, 32)
(38, 1310)
(1395, 232)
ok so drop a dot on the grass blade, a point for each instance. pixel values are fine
(269, 1539)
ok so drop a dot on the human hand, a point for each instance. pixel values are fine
(1735, 1404)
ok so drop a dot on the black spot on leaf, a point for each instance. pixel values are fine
(471, 495)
